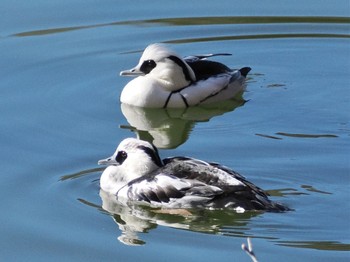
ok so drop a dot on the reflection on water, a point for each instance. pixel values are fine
(168, 127)
(313, 189)
(316, 181)
(134, 219)
(297, 135)
(222, 20)
(306, 135)
(208, 21)
(320, 245)
(81, 173)
(258, 36)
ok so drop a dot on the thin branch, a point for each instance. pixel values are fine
(249, 250)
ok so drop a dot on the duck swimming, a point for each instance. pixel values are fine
(164, 79)
(137, 173)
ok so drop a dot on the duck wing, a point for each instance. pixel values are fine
(206, 172)
(203, 68)
(237, 191)
(193, 58)
(213, 89)
(186, 182)
(164, 189)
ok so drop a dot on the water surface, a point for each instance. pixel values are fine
(288, 133)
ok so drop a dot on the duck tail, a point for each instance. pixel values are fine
(279, 208)
(244, 71)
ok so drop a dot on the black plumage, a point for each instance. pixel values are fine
(203, 68)
(216, 186)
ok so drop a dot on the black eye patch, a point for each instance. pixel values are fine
(147, 66)
(121, 156)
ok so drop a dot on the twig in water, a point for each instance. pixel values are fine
(249, 250)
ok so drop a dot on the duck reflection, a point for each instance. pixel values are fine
(133, 219)
(168, 128)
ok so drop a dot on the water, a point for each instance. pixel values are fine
(60, 114)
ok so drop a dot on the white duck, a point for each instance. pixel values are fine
(167, 80)
(136, 173)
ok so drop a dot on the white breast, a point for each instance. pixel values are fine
(144, 91)
(110, 182)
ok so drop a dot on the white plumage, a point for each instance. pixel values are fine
(136, 173)
(164, 79)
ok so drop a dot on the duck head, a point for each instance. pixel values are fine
(133, 158)
(164, 65)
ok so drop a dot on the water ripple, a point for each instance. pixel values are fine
(200, 21)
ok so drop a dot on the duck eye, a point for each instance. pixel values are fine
(121, 156)
(147, 66)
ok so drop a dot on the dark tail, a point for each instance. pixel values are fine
(244, 71)
(278, 207)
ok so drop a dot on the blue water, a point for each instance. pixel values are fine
(60, 112)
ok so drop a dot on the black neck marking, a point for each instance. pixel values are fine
(153, 154)
(167, 100)
(184, 99)
(182, 64)
(182, 96)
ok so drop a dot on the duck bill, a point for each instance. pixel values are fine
(110, 161)
(132, 72)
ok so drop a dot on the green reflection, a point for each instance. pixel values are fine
(170, 127)
(319, 245)
(307, 135)
(135, 218)
(193, 21)
(223, 20)
(295, 135)
(259, 36)
(81, 173)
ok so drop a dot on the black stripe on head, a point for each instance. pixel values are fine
(182, 64)
(153, 154)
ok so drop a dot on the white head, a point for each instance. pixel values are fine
(163, 64)
(132, 159)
